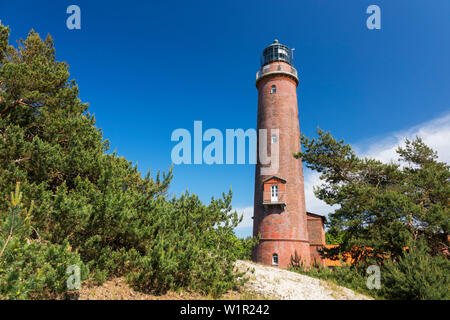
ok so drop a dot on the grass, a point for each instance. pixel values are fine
(339, 277)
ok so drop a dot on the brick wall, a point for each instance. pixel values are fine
(316, 235)
(283, 229)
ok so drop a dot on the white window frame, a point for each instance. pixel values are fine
(275, 259)
(273, 90)
(274, 193)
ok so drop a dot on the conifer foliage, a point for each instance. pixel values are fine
(396, 214)
(91, 208)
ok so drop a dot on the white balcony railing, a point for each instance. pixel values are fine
(269, 200)
(277, 68)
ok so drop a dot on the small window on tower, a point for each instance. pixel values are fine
(274, 89)
(274, 138)
(274, 193)
(275, 259)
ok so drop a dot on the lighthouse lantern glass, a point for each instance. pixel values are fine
(276, 52)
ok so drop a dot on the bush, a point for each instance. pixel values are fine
(417, 276)
(30, 268)
(37, 271)
(193, 247)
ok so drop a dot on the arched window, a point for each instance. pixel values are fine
(274, 89)
(274, 259)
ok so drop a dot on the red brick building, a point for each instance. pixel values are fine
(316, 236)
(280, 217)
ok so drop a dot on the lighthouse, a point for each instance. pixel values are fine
(280, 217)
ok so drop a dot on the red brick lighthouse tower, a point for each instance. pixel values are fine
(279, 209)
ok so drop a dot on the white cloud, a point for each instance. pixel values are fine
(313, 204)
(435, 134)
(247, 220)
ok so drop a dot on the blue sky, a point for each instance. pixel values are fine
(147, 68)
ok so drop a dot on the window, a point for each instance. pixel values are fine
(274, 259)
(274, 138)
(274, 89)
(274, 193)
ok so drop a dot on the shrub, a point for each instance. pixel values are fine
(245, 248)
(37, 271)
(30, 268)
(193, 247)
(417, 276)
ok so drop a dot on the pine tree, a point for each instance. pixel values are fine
(383, 207)
(97, 203)
(395, 215)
